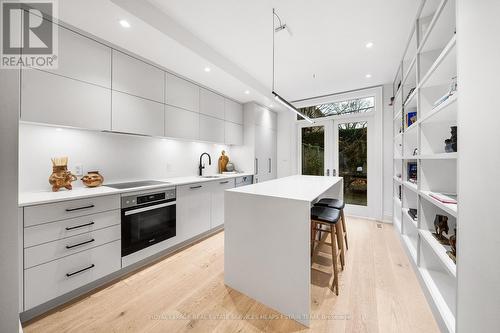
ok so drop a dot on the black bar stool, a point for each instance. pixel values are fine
(328, 217)
(337, 204)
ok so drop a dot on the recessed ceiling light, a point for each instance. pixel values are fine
(124, 23)
(207, 69)
(271, 105)
(368, 76)
(247, 92)
(369, 45)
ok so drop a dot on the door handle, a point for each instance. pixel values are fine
(256, 166)
(79, 271)
(270, 166)
(194, 187)
(334, 174)
(328, 172)
(227, 181)
(80, 244)
(80, 226)
(79, 208)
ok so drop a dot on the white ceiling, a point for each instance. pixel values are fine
(234, 38)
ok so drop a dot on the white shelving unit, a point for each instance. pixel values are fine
(424, 76)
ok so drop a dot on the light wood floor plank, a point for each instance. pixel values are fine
(185, 292)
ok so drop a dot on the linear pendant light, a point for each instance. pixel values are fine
(291, 107)
(277, 97)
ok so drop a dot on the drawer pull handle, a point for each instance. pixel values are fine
(227, 181)
(80, 226)
(79, 244)
(195, 187)
(81, 270)
(79, 208)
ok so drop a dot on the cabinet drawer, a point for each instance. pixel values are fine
(34, 215)
(43, 253)
(48, 232)
(45, 282)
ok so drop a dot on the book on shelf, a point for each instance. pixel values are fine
(412, 172)
(444, 198)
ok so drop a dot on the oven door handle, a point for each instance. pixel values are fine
(145, 209)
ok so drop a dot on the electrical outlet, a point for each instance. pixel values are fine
(78, 170)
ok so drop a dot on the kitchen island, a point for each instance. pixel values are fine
(267, 240)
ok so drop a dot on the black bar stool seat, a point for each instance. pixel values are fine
(325, 214)
(332, 203)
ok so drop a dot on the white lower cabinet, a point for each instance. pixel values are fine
(217, 199)
(45, 282)
(193, 210)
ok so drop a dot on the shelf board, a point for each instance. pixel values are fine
(440, 156)
(444, 112)
(432, 279)
(397, 180)
(398, 114)
(435, 17)
(408, 73)
(443, 69)
(410, 157)
(412, 127)
(440, 251)
(411, 102)
(408, 217)
(411, 248)
(448, 208)
(411, 186)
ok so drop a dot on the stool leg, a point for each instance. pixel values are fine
(340, 243)
(344, 228)
(313, 236)
(335, 283)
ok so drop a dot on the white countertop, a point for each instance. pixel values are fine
(306, 188)
(44, 197)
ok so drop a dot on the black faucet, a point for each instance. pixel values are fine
(201, 167)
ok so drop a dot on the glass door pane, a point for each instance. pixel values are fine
(313, 150)
(352, 161)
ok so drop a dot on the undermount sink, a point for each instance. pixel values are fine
(210, 176)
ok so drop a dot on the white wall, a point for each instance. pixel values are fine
(387, 153)
(478, 234)
(9, 118)
(118, 157)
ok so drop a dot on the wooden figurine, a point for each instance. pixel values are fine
(441, 225)
(93, 179)
(223, 160)
(453, 243)
(61, 176)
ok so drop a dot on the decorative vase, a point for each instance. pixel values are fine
(93, 179)
(61, 177)
(229, 167)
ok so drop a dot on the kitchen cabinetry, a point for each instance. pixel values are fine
(212, 104)
(233, 133)
(53, 99)
(137, 115)
(68, 245)
(193, 210)
(211, 129)
(182, 94)
(135, 77)
(72, 48)
(233, 111)
(217, 200)
(181, 123)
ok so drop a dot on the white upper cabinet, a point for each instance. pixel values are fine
(211, 104)
(182, 93)
(211, 129)
(233, 111)
(180, 123)
(53, 99)
(83, 59)
(233, 133)
(137, 78)
(137, 115)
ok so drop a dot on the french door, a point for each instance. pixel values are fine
(343, 147)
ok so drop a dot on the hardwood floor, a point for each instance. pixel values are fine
(379, 292)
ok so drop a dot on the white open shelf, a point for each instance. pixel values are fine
(431, 70)
(439, 250)
(449, 208)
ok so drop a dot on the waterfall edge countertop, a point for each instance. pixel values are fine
(298, 187)
(267, 228)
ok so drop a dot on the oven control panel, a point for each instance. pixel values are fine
(145, 198)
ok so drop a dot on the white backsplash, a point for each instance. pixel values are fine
(118, 157)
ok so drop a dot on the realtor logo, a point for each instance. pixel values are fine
(29, 37)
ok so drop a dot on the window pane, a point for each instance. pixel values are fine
(359, 105)
(313, 150)
(353, 161)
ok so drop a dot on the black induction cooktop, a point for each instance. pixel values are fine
(141, 183)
